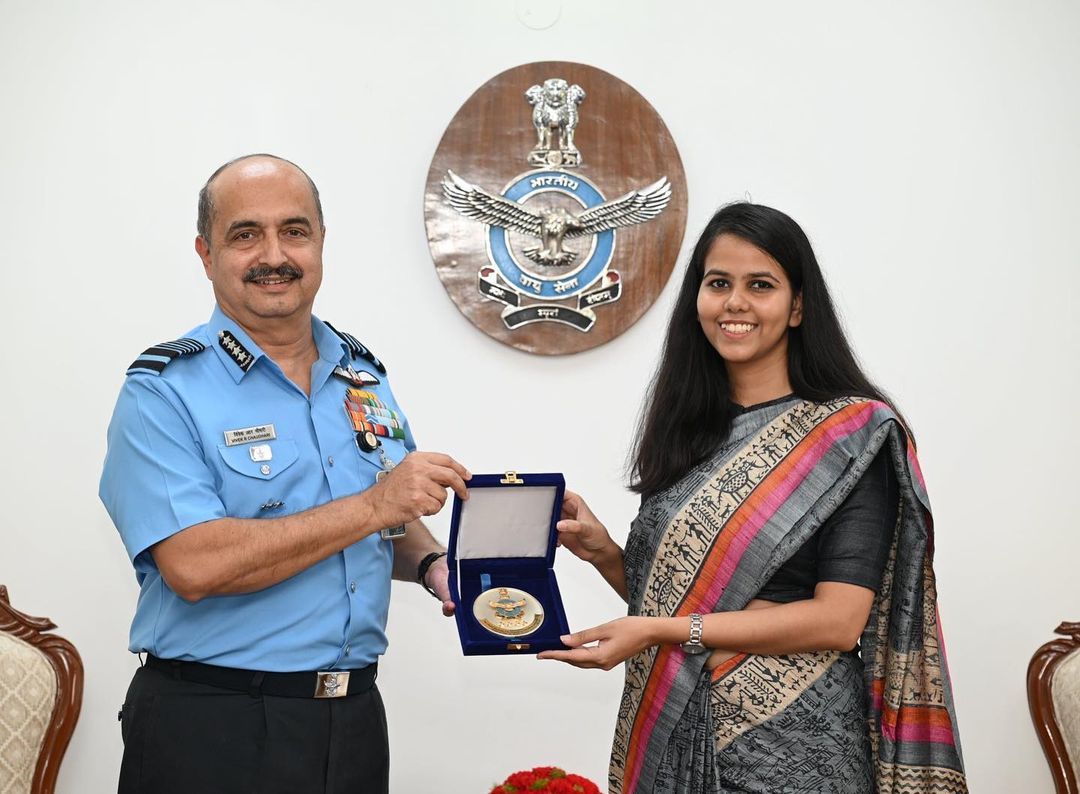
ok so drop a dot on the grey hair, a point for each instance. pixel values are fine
(206, 198)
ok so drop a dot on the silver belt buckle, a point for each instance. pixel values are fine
(332, 684)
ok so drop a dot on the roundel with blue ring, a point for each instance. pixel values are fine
(499, 246)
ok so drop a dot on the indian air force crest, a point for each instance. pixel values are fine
(549, 238)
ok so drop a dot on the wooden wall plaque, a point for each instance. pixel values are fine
(555, 207)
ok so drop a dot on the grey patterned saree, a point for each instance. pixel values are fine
(806, 722)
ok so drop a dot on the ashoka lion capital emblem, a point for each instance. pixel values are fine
(555, 117)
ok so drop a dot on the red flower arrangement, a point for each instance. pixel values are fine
(546, 778)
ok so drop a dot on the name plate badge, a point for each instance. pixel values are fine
(247, 435)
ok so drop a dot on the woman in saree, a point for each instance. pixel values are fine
(782, 633)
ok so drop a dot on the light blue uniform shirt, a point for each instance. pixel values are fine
(168, 468)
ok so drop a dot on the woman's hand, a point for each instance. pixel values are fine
(617, 641)
(581, 532)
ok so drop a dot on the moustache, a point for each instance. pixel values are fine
(266, 271)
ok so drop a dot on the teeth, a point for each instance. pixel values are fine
(738, 328)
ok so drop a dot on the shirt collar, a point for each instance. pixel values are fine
(239, 352)
(332, 348)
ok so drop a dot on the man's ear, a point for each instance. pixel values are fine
(202, 248)
(796, 312)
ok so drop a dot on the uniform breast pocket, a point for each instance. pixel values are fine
(253, 478)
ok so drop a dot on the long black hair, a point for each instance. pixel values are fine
(687, 411)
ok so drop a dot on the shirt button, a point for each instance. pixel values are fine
(265, 469)
(347, 649)
(352, 587)
(330, 460)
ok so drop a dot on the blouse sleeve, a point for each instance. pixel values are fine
(854, 543)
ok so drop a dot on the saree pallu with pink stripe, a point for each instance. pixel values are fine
(806, 722)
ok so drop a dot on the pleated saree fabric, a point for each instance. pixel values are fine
(806, 722)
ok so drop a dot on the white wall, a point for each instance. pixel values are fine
(929, 149)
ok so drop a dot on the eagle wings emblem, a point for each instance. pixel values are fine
(551, 226)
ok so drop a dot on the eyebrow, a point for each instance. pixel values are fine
(756, 274)
(299, 220)
(236, 225)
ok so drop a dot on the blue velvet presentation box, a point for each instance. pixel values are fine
(504, 536)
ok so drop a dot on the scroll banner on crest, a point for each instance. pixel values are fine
(580, 317)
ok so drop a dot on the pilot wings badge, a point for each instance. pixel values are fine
(549, 235)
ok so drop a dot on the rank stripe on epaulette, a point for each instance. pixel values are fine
(164, 353)
(150, 364)
(184, 346)
(358, 349)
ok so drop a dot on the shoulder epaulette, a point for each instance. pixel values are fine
(151, 359)
(357, 350)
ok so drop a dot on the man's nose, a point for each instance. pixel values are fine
(272, 253)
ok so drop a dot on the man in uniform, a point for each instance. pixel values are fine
(266, 486)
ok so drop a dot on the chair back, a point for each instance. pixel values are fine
(41, 684)
(1053, 682)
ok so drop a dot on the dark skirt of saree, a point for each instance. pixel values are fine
(817, 743)
(799, 723)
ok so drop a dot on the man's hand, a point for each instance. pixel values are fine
(416, 487)
(438, 579)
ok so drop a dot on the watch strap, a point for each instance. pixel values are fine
(694, 645)
(697, 626)
(422, 569)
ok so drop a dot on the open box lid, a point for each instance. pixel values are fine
(507, 515)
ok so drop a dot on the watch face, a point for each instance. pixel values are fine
(508, 612)
(693, 648)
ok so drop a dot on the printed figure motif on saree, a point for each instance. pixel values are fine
(811, 722)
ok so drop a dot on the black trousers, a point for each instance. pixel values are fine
(190, 738)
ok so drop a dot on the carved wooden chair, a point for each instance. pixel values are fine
(1053, 684)
(41, 686)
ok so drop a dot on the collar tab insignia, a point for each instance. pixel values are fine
(243, 357)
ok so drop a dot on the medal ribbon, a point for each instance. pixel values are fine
(364, 397)
(382, 415)
(368, 412)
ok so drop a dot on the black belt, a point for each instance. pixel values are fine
(327, 684)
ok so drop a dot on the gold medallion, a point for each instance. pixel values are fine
(508, 612)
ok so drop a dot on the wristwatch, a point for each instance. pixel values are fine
(693, 646)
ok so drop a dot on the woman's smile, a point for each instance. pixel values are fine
(737, 330)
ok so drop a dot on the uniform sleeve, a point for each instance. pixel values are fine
(854, 543)
(155, 480)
